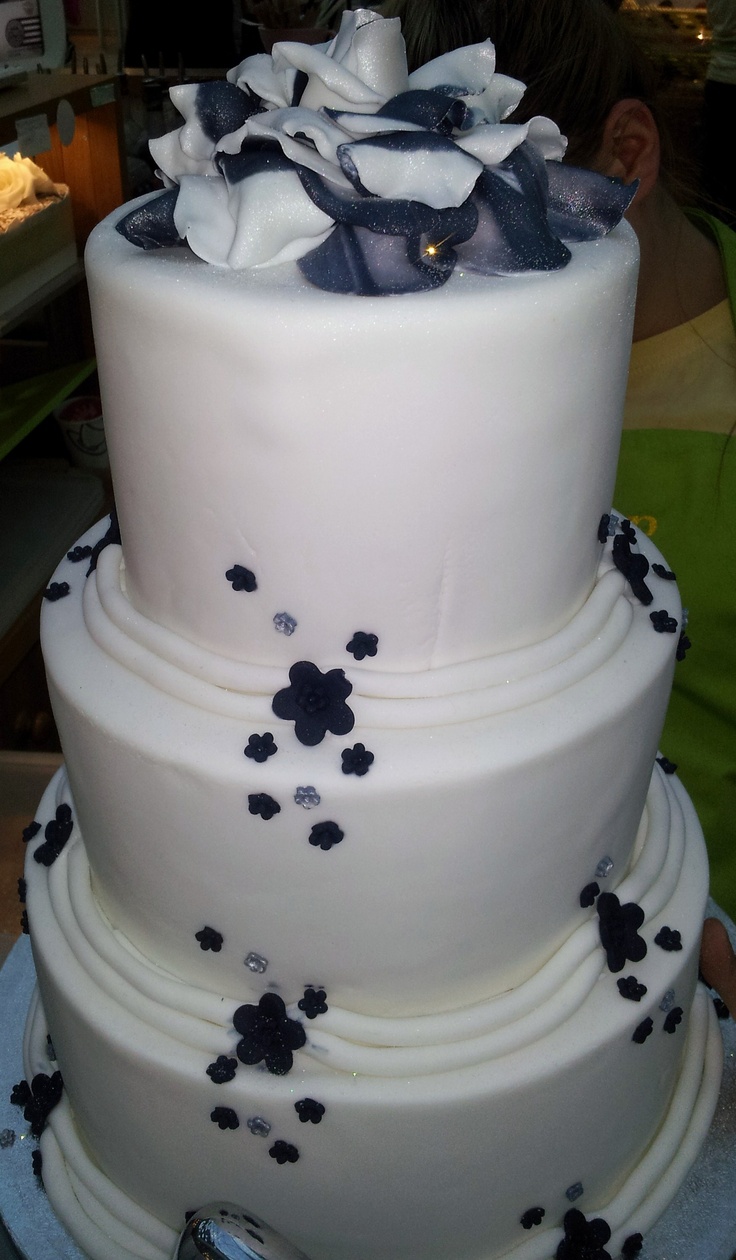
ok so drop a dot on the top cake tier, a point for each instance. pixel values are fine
(426, 468)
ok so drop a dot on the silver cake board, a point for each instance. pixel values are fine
(699, 1225)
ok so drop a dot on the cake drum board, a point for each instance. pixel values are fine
(699, 1225)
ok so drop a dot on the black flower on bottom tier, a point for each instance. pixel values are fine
(38, 1099)
(268, 1035)
(56, 834)
(618, 926)
(315, 703)
(584, 1239)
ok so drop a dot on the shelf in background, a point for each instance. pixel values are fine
(25, 404)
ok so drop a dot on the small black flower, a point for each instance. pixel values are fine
(56, 834)
(313, 1003)
(357, 760)
(284, 1152)
(37, 1162)
(533, 1216)
(31, 830)
(315, 703)
(642, 1031)
(24, 925)
(631, 989)
(661, 572)
(618, 928)
(222, 1070)
(309, 1110)
(588, 895)
(268, 1035)
(38, 1099)
(362, 645)
(225, 1117)
(603, 525)
(669, 767)
(241, 578)
(22, 890)
(261, 747)
(674, 1017)
(628, 531)
(668, 939)
(56, 590)
(263, 804)
(633, 565)
(683, 646)
(662, 622)
(631, 1246)
(209, 939)
(324, 834)
(78, 553)
(584, 1239)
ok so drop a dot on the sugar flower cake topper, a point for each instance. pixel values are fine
(372, 179)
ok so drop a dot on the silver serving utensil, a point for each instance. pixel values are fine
(224, 1231)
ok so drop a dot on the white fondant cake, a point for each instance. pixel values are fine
(363, 902)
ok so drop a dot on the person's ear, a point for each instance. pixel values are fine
(630, 148)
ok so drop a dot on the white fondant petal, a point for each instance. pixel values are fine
(259, 73)
(358, 125)
(548, 138)
(416, 176)
(376, 53)
(170, 158)
(471, 68)
(275, 220)
(202, 215)
(320, 157)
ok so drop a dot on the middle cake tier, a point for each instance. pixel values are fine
(427, 852)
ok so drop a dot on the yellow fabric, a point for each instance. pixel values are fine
(677, 482)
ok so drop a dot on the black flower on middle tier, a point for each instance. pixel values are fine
(268, 1035)
(56, 834)
(38, 1099)
(584, 1239)
(313, 1003)
(315, 703)
(619, 931)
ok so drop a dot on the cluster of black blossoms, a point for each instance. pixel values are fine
(222, 1070)
(309, 1110)
(283, 1152)
(38, 1099)
(357, 760)
(661, 572)
(362, 645)
(589, 894)
(619, 931)
(325, 834)
(533, 1216)
(111, 535)
(209, 938)
(261, 747)
(631, 988)
(77, 554)
(315, 703)
(225, 1118)
(674, 1017)
(313, 1003)
(632, 564)
(584, 1239)
(31, 830)
(268, 1034)
(662, 622)
(263, 804)
(668, 939)
(668, 767)
(642, 1031)
(56, 590)
(241, 579)
(56, 834)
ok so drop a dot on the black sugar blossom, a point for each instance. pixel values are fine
(37, 1163)
(284, 1152)
(31, 830)
(631, 1246)
(324, 835)
(260, 747)
(668, 766)
(56, 834)
(263, 804)
(313, 1003)
(618, 926)
(309, 1110)
(38, 1099)
(22, 890)
(603, 526)
(209, 939)
(642, 1031)
(631, 989)
(111, 535)
(584, 1239)
(662, 622)
(668, 939)
(225, 1118)
(268, 1035)
(241, 579)
(24, 925)
(589, 894)
(674, 1017)
(357, 760)
(632, 564)
(661, 572)
(533, 1216)
(56, 590)
(222, 1070)
(362, 645)
(315, 703)
(78, 554)
(683, 646)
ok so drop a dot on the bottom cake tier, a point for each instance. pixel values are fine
(501, 1129)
